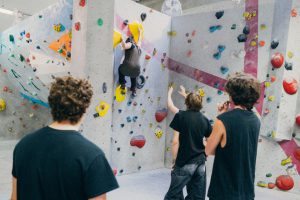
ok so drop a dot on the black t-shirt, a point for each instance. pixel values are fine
(54, 164)
(192, 126)
(233, 172)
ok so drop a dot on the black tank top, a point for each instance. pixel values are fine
(234, 165)
(131, 64)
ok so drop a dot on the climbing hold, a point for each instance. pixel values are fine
(82, 3)
(221, 48)
(290, 54)
(59, 27)
(219, 14)
(262, 184)
(125, 22)
(208, 99)
(38, 47)
(117, 38)
(147, 57)
(298, 120)
(286, 161)
(138, 141)
(267, 111)
(262, 43)
(246, 30)
(122, 125)
(77, 26)
(271, 98)
(253, 43)
(2, 105)
(160, 115)
(273, 79)
(140, 82)
(274, 44)
(290, 85)
(294, 12)
(193, 33)
(277, 60)
(12, 39)
(242, 38)
(215, 28)
(102, 108)
(189, 53)
(134, 119)
(297, 153)
(158, 132)
(21, 57)
(267, 84)
(288, 66)
(201, 92)
(217, 55)
(143, 16)
(172, 33)
(128, 119)
(100, 22)
(27, 35)
(268, 175)
(104, 87)
(233, 26)
(135, 28)
(271, 185)
(224, 70)
(220, 92)
(285, 182)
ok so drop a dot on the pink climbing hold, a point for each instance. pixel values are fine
(290, 85)
(298, 120)
(297, 153)
(77, 26)
(115, 171)
(138, 141)
(160, 115)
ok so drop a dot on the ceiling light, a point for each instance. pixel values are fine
(5, 11)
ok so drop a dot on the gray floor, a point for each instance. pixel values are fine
(150, 185)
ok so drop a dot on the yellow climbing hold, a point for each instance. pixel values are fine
(2, 104)
(159, 132)
(262, 184)
(172, 33)
(263, 27)
(273, 134)
(201, 92)
(135, 28)
(290, 54)
(267, 84)
(271, 98)
(286, 161)
(102, 108)
(117, 38)
(253, 43)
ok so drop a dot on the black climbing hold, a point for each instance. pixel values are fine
(278, 107)
(69, 54)
(71, 17)
(242, 38)
(294, 135)
(125, 22)
(96, 115)
(288, 66)
(274, 44)
(268, 75)
(133, 154)
(131, 132)
(104, 88)
(122, 125)
(233, 27)
(120, 111)
(143, 16)
(140, 82)
(118, 149)
(40, 16)
(246, 30)
(139, 167)
(121, 171)
(34, 69)
(128, 119)
(219, 14)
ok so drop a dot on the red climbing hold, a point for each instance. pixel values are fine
(271, 185)
(138, 141)
(273, 79)
(262, 43)
(290, 85)
(147, 57)
(285, 182)
(294, 12)
(298, 120)
(5, 89)
(27, 35)
(82, 3)
(77, 26)
(277, 60)
(160, 115)
(297, 153)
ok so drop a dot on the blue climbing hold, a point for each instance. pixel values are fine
(217, 56)
(215, 28)
(128, 119)
(221, 48)
(134, 118)
(224, 69)
(208, 99)
(220, 92)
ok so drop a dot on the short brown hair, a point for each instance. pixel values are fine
(243, 89)
(193, 102)
(69, 98)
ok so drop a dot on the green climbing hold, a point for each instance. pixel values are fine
(100, 22)
(21, 58)
(12, 39)
(268, 175)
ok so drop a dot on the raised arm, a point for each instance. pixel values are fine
(171, 105)
(182, 92)
(139, 43)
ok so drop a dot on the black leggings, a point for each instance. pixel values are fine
(122, 81)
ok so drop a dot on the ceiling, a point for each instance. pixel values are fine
(33, 6)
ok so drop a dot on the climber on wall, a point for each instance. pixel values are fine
(234, 141)
(131, 64)
(188, 152)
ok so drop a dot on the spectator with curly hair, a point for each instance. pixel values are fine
(57, 162)
(234, 141)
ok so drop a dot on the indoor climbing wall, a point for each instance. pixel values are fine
(139, 123)
(226, 38)
(32, 53)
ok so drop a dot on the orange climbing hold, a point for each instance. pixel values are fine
(271, 185)
(273, 79)
(294, 12)
(262, 43)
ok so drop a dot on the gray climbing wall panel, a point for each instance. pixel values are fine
(136, 117)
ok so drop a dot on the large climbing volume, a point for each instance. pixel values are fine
(285, 182)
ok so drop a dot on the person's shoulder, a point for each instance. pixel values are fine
(86, 146)
(29, 138)
(226, 114)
